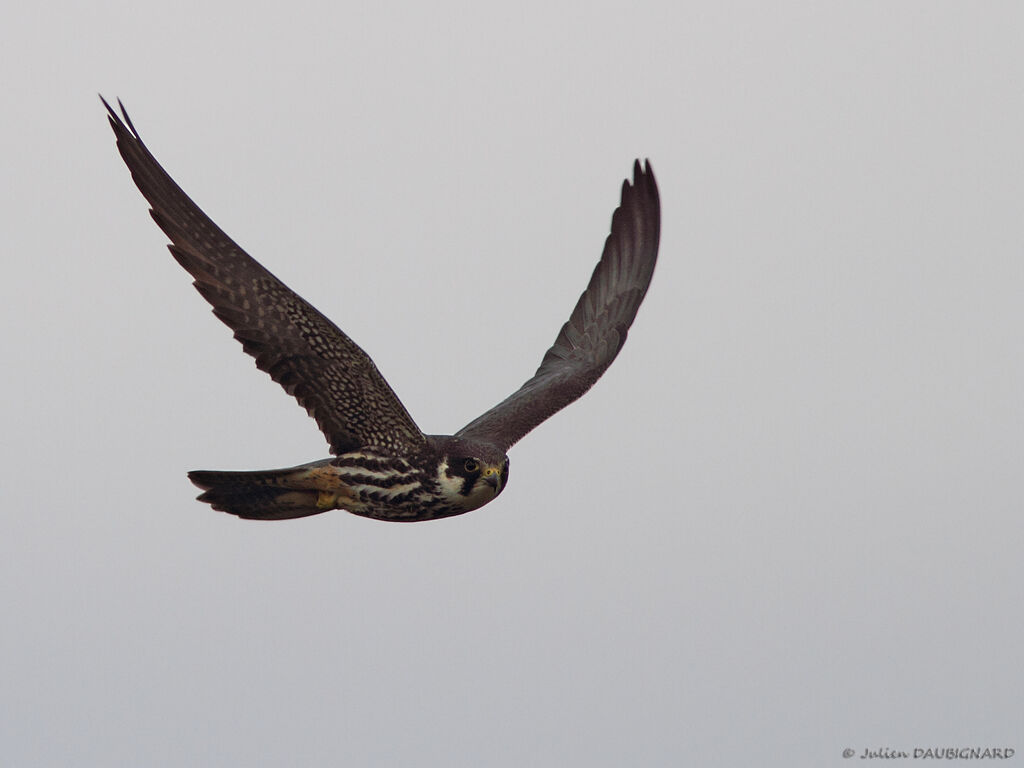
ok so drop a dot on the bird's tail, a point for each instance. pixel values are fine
(269, 494)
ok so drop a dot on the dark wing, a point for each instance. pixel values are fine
(597, 328)
(331, 377)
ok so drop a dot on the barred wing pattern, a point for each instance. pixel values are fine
(330, 376)
(596, 330)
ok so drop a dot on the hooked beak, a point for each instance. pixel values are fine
(492, 476)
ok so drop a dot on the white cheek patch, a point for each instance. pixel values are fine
(450, 486)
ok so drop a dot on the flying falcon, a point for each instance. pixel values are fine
(382, 465)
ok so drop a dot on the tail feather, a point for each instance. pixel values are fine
(272, 494)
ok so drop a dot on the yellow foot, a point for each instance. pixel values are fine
(327, 500)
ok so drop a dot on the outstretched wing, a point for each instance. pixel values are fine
(331, 377)
(597, 328)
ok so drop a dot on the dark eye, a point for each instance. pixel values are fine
(471, 465)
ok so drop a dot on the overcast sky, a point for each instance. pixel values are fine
(787, 521)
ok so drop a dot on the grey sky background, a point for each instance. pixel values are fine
(786, 522)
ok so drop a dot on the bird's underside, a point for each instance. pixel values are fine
(383, 466)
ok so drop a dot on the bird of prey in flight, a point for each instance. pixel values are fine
(382, 466)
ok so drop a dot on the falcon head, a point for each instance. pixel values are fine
(470, 473)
